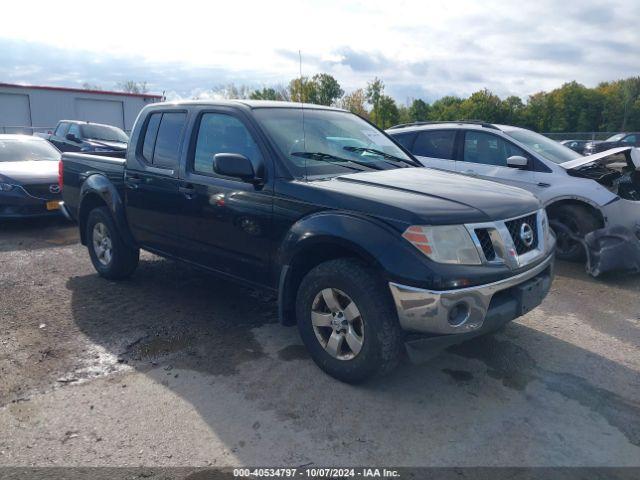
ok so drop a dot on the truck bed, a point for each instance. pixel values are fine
(77, 167)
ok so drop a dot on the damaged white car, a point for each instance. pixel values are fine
(581, 194)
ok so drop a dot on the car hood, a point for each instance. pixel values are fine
(608, 156)
(433, 197)
(29, 172)
(106, 144)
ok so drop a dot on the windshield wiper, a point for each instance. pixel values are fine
(327, 157)
(375, 151)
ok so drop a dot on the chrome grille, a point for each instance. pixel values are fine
(514, 226)
(501, 242)
(486, 243)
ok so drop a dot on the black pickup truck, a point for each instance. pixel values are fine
(86, 137)
(366, 250)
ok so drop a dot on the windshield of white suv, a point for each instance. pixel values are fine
(615, 138)
(328, 142)
(549, 149)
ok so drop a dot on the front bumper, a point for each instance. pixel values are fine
(468, 310)
(18, 203)
(624, 213)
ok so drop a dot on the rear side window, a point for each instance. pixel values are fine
(405, 139)
(221, 133)
(150, 136)
(435, 144)
(162, 139)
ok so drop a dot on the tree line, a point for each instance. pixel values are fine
(608, 107)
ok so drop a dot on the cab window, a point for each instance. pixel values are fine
(488, 149)
(61, 130)
(435, 144)
(222, 133)
(161, 145)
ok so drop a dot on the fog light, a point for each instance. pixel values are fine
(458, 314)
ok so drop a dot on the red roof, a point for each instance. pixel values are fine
(83, 90)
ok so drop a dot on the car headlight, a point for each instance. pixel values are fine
(444, 244)
(6, 187)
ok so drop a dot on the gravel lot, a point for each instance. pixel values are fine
(176, 367)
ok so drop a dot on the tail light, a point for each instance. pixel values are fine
(60, 170)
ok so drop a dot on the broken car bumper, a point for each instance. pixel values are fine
(472, 310)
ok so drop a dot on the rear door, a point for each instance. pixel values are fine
(226, 222)
(153, 197)
(436, 148)
(485, 154)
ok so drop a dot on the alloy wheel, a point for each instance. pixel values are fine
(102, 245)
(337, 324)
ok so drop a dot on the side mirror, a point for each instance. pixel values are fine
(234, 165)
(71, 137)
(517, 161)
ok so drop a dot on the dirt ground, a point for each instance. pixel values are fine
(176, 367)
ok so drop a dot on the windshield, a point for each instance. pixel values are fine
(549, 149)
(104, 132)
(330, 142)
(615, 138)
(25, 150)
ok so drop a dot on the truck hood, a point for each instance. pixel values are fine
(608, 156)
(434, 197)
(25, 173)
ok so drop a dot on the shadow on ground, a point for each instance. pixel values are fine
(36, 233)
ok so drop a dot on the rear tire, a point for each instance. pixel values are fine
(576, 219)
(347, 320)
(111, 256)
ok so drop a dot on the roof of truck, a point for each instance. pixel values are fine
(248, 103)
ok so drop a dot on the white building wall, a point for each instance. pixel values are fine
(47, 107)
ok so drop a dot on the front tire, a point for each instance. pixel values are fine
(571, 220)
(347, 321)
(111, 256)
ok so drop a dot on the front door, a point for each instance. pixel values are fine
(226, 222)
(153, 196)
(484, 155)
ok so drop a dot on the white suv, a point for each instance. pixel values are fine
(581, 194)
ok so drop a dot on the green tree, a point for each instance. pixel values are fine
(482, 105)
(446, 108)
(327, 89)
(418, 110)
(355, 102)
(268, 94)
(387, 113)
(303, 90)
(374, 92)
(513, 110)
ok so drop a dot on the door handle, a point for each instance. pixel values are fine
(133, 181)
(188, 191)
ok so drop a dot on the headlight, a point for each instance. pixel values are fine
(444, 244)
(6, 187)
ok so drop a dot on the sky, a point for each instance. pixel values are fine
(420, 49)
